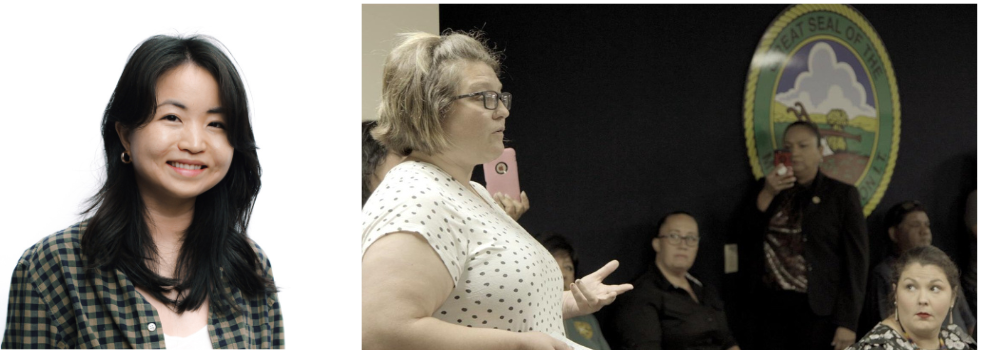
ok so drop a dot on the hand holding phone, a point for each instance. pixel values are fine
(501, 175)
(782, 161)
(781, 178)
(511, 206)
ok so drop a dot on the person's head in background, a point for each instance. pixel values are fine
(802, 139)
(908, 226)
(563, 251)
(177, 139)
(440, 99)
(376, 161)
(676, 242)
(925, 288)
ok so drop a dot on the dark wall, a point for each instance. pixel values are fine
(623, 113)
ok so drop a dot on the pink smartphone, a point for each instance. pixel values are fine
(501, 175)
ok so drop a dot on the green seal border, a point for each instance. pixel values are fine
(779, 24)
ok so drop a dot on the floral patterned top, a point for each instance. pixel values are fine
(883, 337)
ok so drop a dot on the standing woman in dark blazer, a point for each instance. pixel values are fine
(164, 259)
(807, 256)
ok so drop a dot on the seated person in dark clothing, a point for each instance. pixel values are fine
(583, 330)
(669, 308)
(909, 227)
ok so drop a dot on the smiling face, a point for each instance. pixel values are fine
(923, 297)
(475, 133)
(183, 150)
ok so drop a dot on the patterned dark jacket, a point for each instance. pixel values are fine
(55, 303)
(836, 247)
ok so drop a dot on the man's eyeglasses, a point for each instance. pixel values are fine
(675, 239)
(491, 99)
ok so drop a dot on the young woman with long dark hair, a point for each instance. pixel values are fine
(164, 259)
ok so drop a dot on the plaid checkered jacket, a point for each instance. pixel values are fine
(55, 303)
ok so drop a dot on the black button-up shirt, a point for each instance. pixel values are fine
(659, 315)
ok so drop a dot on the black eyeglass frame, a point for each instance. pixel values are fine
(675, 239)
(499, 97)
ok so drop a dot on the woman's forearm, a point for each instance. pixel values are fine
(431, 333)
(764, 199)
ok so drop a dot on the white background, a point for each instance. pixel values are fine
(59, 63)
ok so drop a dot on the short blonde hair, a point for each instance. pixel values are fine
(419, 82)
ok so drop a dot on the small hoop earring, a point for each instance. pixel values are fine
(126, 158)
